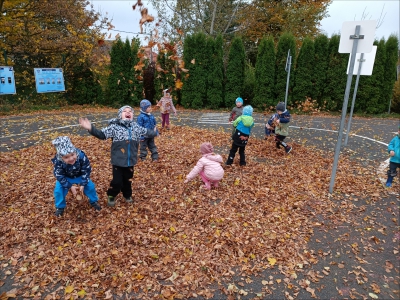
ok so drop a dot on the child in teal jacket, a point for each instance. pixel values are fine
(394, 163)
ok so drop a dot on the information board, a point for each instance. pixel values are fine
(7, 81)
(49, 80)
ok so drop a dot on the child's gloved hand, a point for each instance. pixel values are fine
(74, 189)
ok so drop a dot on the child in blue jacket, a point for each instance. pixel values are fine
(147, 120)
(394, 163)
(71, 168)
(278, 124)
(243, 125)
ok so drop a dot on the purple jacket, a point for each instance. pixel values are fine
(211, 165)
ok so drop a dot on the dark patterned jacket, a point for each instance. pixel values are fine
(81, 168)
(125, 137)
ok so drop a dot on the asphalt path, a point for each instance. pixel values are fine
(332, 244)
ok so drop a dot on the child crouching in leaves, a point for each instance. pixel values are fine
(208, 166)
(71, 167)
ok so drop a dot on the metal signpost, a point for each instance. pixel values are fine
(352, 41)
(365, 66)
(287, 69)
(7, 81)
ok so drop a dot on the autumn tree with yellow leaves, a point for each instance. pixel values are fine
(42, 34)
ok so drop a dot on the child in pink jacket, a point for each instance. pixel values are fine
(209, 167)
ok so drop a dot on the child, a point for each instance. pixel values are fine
(147, 120)
(237, 110)
(394, 163)
(243, 125)
(166, 105)
(278, 124)
(125, 135)
(71, 167)
(208, 166)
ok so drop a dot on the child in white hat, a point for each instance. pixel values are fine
(166, 105)
(71, 168)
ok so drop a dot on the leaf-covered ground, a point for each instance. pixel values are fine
(176, 240)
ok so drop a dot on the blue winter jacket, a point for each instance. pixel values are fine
(146, 120)
(394, 145)
(81, 168)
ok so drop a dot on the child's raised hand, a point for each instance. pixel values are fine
(186, 181)
(391, 153)
(85, 123)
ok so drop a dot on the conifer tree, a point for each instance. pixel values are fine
(392, 56)
(85, 87)
(369, 92)
(120, 84)
(235, 72)
(264, 89)
(249, 85)
(320, 65)
(215, 87)
(194, 90)
(137, 79)
(336, 77)
(286, 42)
(303, 86)
(164, 73)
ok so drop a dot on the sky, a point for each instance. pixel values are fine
(387, 11)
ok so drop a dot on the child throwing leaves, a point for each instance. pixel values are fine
(208, 166)
(166, 105)
(125, 135)
(278, 124)
(71, 168)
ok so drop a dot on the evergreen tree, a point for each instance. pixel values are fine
(320, 65)
(120, 84)
(264, 89)
(85, 87)
(369, 93)
(215, 89)
(249, 85)
(392, 56)
(336, 77)
(286, 42)
(303, 86)
(164, 73)
(137, 78)
(234, 72)
(194, 90)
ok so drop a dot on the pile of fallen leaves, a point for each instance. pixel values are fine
(176, 240)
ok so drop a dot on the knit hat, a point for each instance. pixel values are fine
(206, 148)
(248, 110)
(165, 92)
(238, 99)
(63, 145)
(144, 105)
(122, 109)
(280, 106)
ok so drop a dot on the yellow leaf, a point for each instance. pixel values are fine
(172, 229)
(271, 261)
(81, 293)
(237, 181)
(69, 289)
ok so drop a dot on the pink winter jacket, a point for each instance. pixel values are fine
(211, 165)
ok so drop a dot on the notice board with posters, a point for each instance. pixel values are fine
(7, 81)
(49, 80)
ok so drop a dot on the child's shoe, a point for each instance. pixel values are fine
(215, 183)
(129, 200)
(278, 145)
(59, 212)
(388, 184)
(111, 201)
(207, 186)
(96, 206)
(288, 149)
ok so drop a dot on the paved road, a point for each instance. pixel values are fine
(330, 243)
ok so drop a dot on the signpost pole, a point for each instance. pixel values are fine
(354, 99)
(287, 69)
(355, 39)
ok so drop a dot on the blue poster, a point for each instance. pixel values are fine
(7, 81)
(49, 80)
